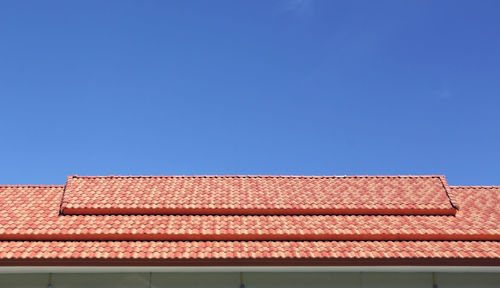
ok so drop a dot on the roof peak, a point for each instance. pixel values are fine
(31, 186)
(256, 176)
(475, 187)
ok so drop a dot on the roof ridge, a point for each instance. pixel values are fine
(31, 186)
(257, 176)
(475, 187)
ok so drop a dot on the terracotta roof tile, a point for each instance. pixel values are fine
(88, 250)
(33, 214)
(31, 226)
(257, 195)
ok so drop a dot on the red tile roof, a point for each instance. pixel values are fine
(170, 252)
(257, 195)
(378, 225)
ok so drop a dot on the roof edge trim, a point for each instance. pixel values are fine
(222, 269)
(284, 263)
(256, 211)
(251, 237)
(451, 196)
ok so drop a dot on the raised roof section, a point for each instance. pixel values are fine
(257, 195)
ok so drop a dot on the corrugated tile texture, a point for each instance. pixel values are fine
(32, 228)
(257, 195)
(32, 213)
(88, 250)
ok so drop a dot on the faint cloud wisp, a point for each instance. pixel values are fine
(445, 94)
(299, 7)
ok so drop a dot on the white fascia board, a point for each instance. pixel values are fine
(215, 269)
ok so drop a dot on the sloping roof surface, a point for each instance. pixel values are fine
(256, 195)
(240, 252)
(36, 225)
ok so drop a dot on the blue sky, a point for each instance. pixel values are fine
(249, 87)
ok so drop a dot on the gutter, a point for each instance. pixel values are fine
(220, 269)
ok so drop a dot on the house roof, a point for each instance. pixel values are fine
(198, 220)
(257, 195)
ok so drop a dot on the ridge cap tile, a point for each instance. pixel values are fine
(257, 176)
(475, 187)
(31, 186)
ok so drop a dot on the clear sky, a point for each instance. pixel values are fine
(249, 87)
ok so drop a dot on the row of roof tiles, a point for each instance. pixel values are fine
(257, 195)
(29, 214)
(246, 249)
(33, 214)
